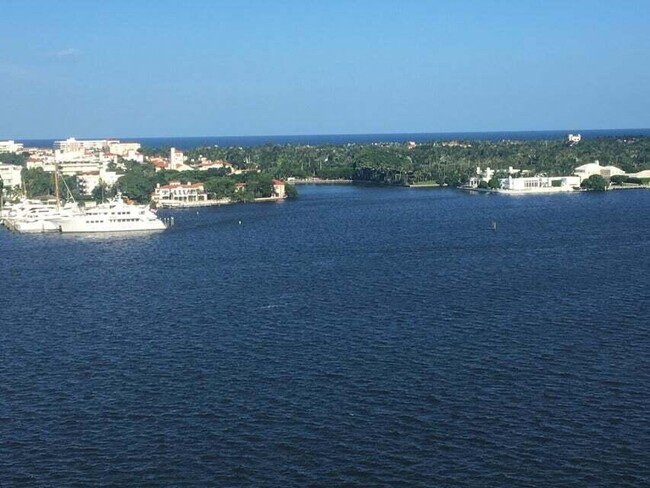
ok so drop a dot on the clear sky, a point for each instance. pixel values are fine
(261, 67)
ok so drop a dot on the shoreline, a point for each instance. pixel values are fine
(317, 181)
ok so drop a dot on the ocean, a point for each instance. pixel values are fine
(353, 337)
(339, 139)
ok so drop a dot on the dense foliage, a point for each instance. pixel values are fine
(14, 158)
(595, 183)
(443, 162)
(38, 183)
(140, 180)
(450, 163)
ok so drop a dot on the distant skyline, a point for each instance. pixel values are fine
(225, 68)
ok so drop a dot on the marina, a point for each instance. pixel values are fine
(113, 216)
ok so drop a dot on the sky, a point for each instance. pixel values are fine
(227, 68)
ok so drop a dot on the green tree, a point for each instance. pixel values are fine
(14, 158)
(220, 187)
(37, 182)
(102, 192)
(138, 182)
(594, 183)
(494, 183)
(260, 185)
(291, 191)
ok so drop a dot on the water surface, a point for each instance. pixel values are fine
(356, 336)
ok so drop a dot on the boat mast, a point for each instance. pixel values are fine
(56, 184)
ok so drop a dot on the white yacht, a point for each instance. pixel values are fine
(113, 216)
(14, 213)
(44, 219)
(22, 206)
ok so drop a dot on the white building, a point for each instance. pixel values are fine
(10, 174)
(91, 172)
(641, 174)
(126, 150)
(586, 170)
(73, 145)
(485, 175)
(177, 160)
(74, 150)
(279, 189)
(539, 184)
(574, 138)
(10, 146)
(176, 193)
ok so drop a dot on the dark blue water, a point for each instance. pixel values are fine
(355, 337)
(339, 139)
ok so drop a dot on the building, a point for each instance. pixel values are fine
(206, 164)
(73, 145)
(586, 170)
(90, 171)
(574, 138)
(159, 164)
(126, 150)
(177, 160)
(279, 189)
(122, 148)
(485, 175)
(177, 194)
(10, 175)
(641, 174)
(539, 184)
(10, 146)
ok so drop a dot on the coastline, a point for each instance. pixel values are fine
(317, 181)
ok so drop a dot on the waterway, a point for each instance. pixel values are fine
(355, 336)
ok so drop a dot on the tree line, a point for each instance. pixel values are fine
(436, 161)
(446, 163)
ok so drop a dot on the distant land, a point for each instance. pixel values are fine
(338, 139)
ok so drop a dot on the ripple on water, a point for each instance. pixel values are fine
(357, 336)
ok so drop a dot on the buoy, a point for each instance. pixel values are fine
(240, 222)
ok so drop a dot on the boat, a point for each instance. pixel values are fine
(34, 216)
(14, 213)
(113, 216)
(45, 219)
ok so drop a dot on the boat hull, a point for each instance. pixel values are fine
(84, 224)
(36, 227)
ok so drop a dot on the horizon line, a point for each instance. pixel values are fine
(351, 134)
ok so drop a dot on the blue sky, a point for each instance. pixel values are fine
(197, 68)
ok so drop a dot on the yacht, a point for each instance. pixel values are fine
(14, 213)
(44, 219)
(113, 216)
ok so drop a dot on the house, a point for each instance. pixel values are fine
(574, 138)
(10, 146)
(206, 164)
(10, 175)
(177, 194)
(159, 164)
(539, 184)
(586, 170)
(177, 161)
(279, 189)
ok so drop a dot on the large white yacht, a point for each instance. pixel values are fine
(45, 218)
(113, 216)
(13, 211)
